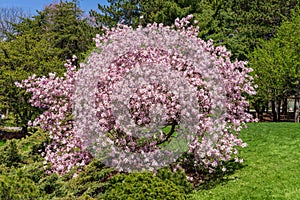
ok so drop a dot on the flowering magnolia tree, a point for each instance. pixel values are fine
(145, 97)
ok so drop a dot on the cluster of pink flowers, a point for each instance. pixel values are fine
(152, 77)
(53, 94)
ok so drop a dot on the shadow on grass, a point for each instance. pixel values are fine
(203, 180)
(220, 177)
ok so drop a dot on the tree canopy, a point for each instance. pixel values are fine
(238, 24)
(276, 63)
(39, 45)
(125, 11)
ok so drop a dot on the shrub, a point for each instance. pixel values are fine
(87, 183)
(142, 186)
(90, 181)
(16, 186)
(10, 155)
(178, 178)
(22, 167)
(50, 186)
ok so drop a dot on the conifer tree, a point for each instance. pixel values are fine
(125, 11)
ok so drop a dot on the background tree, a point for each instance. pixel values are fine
(276, 64)
(126, 11)
(67, 28)
(27, 54)
(40, 45)
(166, 11)
(270, 67)
(238, 24)
(8, 17)
(234, 23)
(69, 31)
(130, 11)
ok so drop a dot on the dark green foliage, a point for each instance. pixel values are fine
(21, 168)
(10, 155)
(142, 186)
(90, 182)
(16, 185)
(50, 185)
(166, 11)
(178, 178)
(238, 24)
(68, 30)
(33, 145)
(26, 55)
(23, 164)
(2, 142)
(42, 44)
(97, 181)
(130, 11)
(126, 11)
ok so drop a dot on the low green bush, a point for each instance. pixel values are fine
(17, 186)
(22, 176)
(9, 154)
(142, 186)
(178, 178)
(21, 167)
(2, 142)
(86, 184)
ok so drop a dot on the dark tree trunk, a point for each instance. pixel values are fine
(259, 111)
(267, 107)
(296, 106)
(285, 106)
(274, 113)
(278, 110)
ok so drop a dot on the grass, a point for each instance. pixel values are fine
(271, 169)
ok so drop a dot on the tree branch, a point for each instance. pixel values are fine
(174, 123)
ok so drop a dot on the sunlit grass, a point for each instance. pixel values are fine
(271, 168)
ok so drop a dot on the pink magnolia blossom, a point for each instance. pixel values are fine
(157, 76)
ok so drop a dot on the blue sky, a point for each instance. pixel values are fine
(33, 5)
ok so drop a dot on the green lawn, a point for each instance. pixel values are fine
(271, 168)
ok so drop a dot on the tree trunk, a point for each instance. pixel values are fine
(259, 111)
(262, 112)
(296, 106)
(278, 110)
(274, 113)
(267, 107)
(285, 106)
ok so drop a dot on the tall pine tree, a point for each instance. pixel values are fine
(118, 11)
